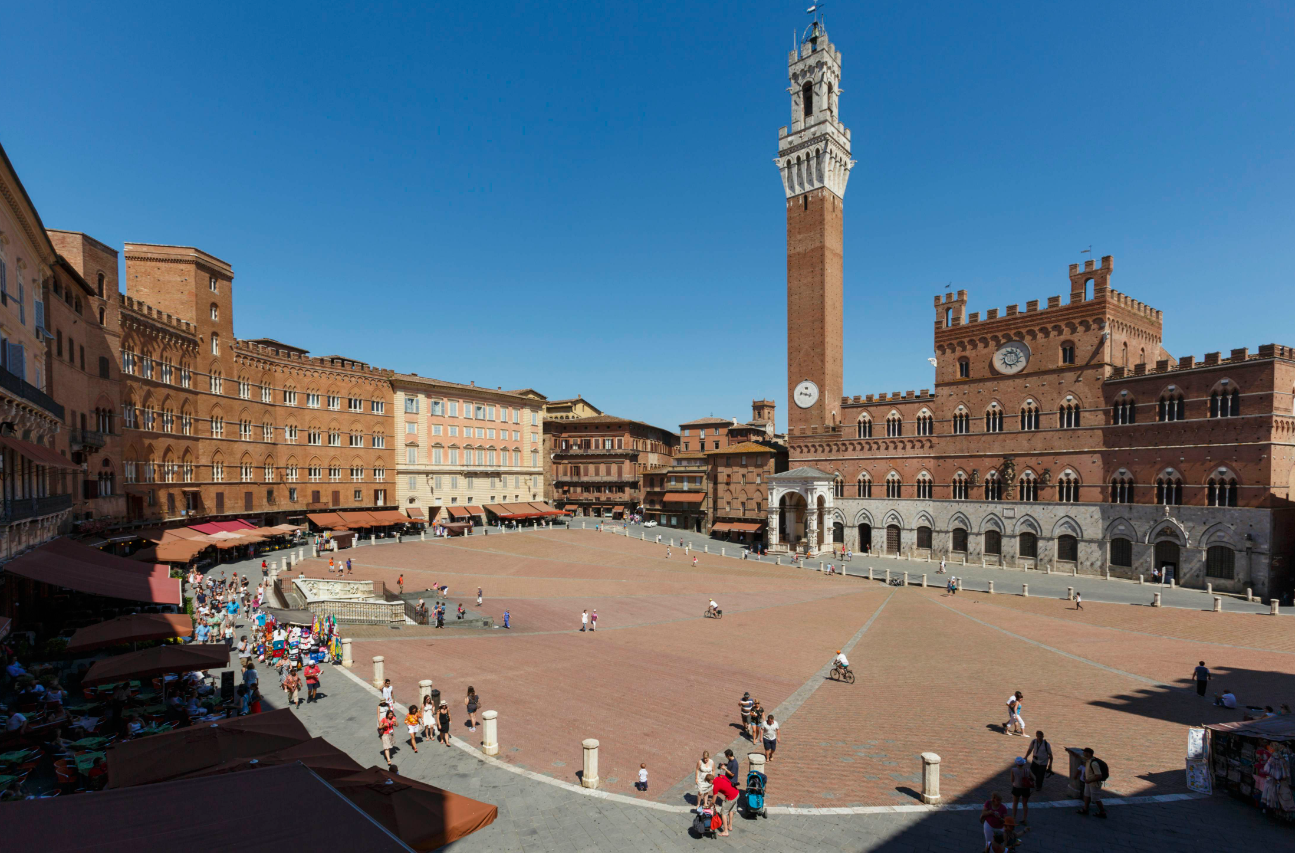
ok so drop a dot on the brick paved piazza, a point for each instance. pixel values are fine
(658, 683)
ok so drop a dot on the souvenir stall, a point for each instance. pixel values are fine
(1252, 760)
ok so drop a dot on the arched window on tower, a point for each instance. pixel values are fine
(807, 98)
(865, 427)
(99, 286)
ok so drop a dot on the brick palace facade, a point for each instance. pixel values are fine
(1060, 436)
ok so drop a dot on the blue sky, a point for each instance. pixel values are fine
(581, 198)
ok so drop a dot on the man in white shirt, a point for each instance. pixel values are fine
(713, 607)
(769, 731)
(840, 660)
(1226, 699)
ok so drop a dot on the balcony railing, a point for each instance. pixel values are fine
(18, 509)
(21, 388)
(596, 451)
(86, 438)
(617, 478)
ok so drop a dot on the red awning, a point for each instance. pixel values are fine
(458, 512)
(415, 512)
(65, 563)
(39, 454)
(721, 527)
(684, 497)
(359, 519)
(745, 526)
(476, 510)
(326, 519)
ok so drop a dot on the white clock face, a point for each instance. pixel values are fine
(1012, 357)
(806, 394)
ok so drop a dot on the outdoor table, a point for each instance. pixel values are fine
(6, 780)
(87, 723)
(18, 756)
(90, 743)
(85, 760)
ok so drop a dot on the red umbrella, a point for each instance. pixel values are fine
(157, 661)
(318, 754)
(135, 628)
(423, 816)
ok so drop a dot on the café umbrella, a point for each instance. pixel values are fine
(159, 660)
(423, 816)
(135, 628)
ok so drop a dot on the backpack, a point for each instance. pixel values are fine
(1103, 772)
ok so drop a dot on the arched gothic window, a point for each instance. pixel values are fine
(994, 419)
(925, 424)
(961, 487)
(838, 487)
(864, 485)
(925, 486)
(1121, 489)
(1169, 489)
(1221, 490)
(1068, 488)
(961, 422)
(1225, 403)
(894, 486)
(865, 427)
(1029, 487)
(894, 425)
(1124, 411)
(1029, 416)
(993, 487)
(1068, 415)
(1172, 407)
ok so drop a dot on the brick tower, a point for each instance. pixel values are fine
(814, 158)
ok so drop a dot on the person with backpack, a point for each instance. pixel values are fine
(1092, 772)
(1022, 786)
(1039, 754)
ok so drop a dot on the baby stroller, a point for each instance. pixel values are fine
(755, 794)
(704, 823)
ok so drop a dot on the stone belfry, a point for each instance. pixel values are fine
(814, 159)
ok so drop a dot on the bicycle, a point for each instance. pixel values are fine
(843, 673)
(713, 614)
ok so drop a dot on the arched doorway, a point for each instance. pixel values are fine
(1168, 556)
(791, 519)
(838, 532)
(865, 538)
(892, 538)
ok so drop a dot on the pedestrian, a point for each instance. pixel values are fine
(593, 621)
(991, 818)
(330, 565)
(584, 621)
(386, 733)
(667, 552)
(705, 767)
(1079, 600)
(413, 722)
(400, 582)
(443, 723)
(292, 685)
(348, 565)
(731, 768)
(744, 709)
(1014, 714)
(725, 797)
(694, 562)
(429, 719)
(757, 714)
(472, 702)
(1202, 675)
(941, 565)
(388, 693)
(1022, 787)
(641, 784)
(250, 677)
(312, 681)
(1039, 754)
(460, 612)
(769, 731)
(1092, 773)
(478, 596)
(440, 616)
(507, 618)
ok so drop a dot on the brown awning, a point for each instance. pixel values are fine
(745, 526)
(179, 550)
(135, 628)
(476, 510)
(39, 454)
(317, 754)
(684, 497)
(423, 816)
(415, 512)
(160, 817)
(65, 563)
(182, 752)
(458, 512)
(721, 527)
(158, 660)
(359, 519)
(326, 519)
(390, 516)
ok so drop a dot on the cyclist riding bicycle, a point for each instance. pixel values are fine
(713, 607)
(840, 661)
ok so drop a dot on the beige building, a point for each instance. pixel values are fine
(569, 410)
(464, 446)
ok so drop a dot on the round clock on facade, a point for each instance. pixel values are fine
(1012, 357)
(806, 394)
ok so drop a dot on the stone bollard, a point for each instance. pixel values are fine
(905, 578)
(820, 565)
(643, 535)
(424, 689)
(1155, 599)
(887, 577)
(1274, 608)
(1074, 572)
(1025, 590)
(1173, 582)
(1209, 589)
(924, 581)
(991, 587)
(1070, 593)
(1250, 594)
(422, 536)
(721, 553)
(930, 778)
(777, 560)
(589, 778)
(870, 573)
(347, 660)
(1218, 604)
(755, 761)
(1142, 580)
(379, 677)
(490, 738)
(705, 549)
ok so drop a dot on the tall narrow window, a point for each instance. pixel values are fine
(994, 419)
(1029, 416)
(1124, 411)
(865, 428)
(807, 99)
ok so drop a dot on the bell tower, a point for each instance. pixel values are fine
(814, 161)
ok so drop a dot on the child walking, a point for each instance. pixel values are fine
(641, 784)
